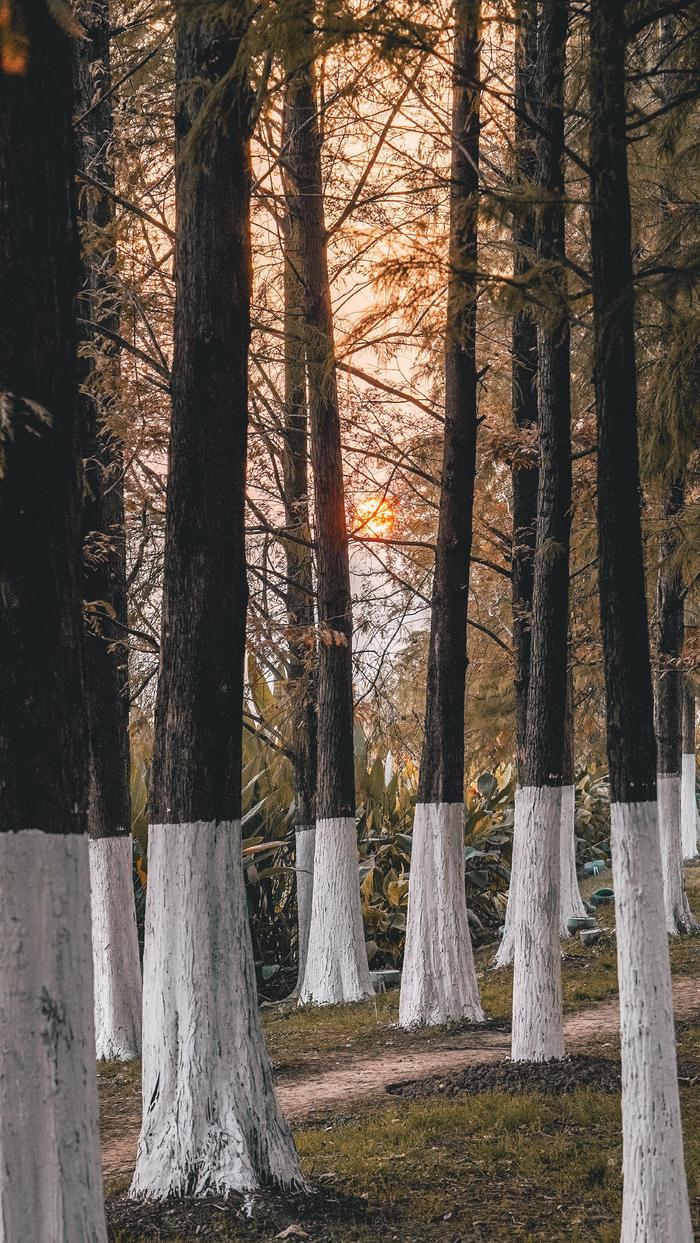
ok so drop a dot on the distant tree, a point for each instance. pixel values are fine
(655, 1198)
(439, 978)
(211, 1122)
(690, 820)
(300, 581)
(114, 937)
(50, 1170)
(538, 1032)
(336, 966)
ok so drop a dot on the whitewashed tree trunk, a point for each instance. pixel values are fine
(679, 917)
(115, 949)
(506, 949)
(336, 962)
(538, 1031)
(690, 821)
(305, 838)
(211, 1123)
(50, 1170)
(570, 901)
(655, 1202)
(439, 983)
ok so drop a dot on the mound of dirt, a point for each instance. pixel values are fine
(255, 1217)
(555, 1078)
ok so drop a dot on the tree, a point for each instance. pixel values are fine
(300, 584)
(538, 1032)
(336, 966)
(50, 1173)
(689, 806)
(117, 968)
(669, 716)
(524, 361)
(525, 467)
(655, 1202)
(439, 979)
(211, 1120)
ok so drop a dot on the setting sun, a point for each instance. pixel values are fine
(375, 515)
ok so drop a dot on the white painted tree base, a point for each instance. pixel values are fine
(570, 900)
(211, 1122)
(336, 963)
(655, 1199)
(538, 1018)
(115, 949)
(50, 1168)
(679, 917)
(438, 983)
(690, 820)
(506, 948)
(305, 839)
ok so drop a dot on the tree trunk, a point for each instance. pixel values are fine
(524, 366)
(669, 717)
(50, 1173)
(525, 471)
(439, 979)
(300, 584)
(538, 1025)
(211, 1120)
(115, 946)
(336, 967)
(689, 806)
(655, 1200)
(571, 903)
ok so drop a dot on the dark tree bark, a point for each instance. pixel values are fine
(546, 709)
(524, 367)
(631, 742)
(442, 759)
(197, 756)
(104, 569)
(670, 632)
(50, 1181)
(43, 754)
(335, 792)
(300, 585)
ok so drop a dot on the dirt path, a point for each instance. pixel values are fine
(308, 1097)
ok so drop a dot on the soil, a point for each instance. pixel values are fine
(307, 1098)
(273, 1215)
(553, 1078)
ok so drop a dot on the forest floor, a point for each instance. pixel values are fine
(433, 1135)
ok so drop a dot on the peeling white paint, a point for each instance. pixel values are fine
(305, 838)
(538, 1019)
(690, 821)
(336, 963)
(50, 1169)
(115, 949)
(679, 917)
(655, 1199)
(438, 984)
(570, 900)
(211, 1121)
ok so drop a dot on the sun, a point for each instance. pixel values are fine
(374, 515)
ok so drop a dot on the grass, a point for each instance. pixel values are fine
(466, 1169)
(461, 1170)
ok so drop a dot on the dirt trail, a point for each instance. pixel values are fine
(309, 1097)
